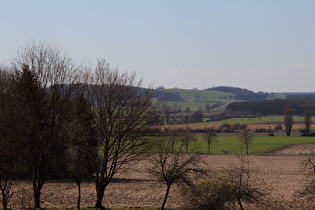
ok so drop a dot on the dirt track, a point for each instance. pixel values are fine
(298, 149)
(280, 175)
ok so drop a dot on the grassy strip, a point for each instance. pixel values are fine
(260, 144)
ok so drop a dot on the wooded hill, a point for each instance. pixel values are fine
(242, 94)
(237, 100)
(222, 92)
(271, 107)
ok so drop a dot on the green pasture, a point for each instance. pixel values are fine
(199, 98)
(260, 144)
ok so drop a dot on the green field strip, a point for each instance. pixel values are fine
(260, 144)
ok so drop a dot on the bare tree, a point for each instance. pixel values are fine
(44, 90)
(82, 150)
(172, 166)
(197, 116)
(10, 134)
(246, 137)
(123, 110)
(307, 120)
(187, 137)
(210, 137)
(245, 189)
(165, 109)
(288, 118)
(309, 189)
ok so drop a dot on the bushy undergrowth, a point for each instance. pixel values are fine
(209, 194)
(224, 192)
(230, 189)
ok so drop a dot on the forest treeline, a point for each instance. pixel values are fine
(241, 93)
(301, 96)
(271, 107)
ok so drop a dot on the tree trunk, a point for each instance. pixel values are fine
(79, 193)
(37, 198)
(37, 186)
(4, 199)
(240, 204)
(100, 191)
(209, 148)
(166, 196)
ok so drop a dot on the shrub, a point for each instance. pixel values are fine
(234, 187)
(209, 194)
(271, 134)
(225, 125)
(278, 127)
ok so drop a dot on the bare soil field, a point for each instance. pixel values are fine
(298, 149)
(281, 175)
(295, 129)
(296, 125)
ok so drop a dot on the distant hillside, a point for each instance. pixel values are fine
(185, 95)
(240, 93)
(234, 100)
(194, 99)
(164, 95)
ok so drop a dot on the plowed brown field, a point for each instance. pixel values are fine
(282, 176)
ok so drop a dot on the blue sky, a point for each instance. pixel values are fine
(264, 45)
